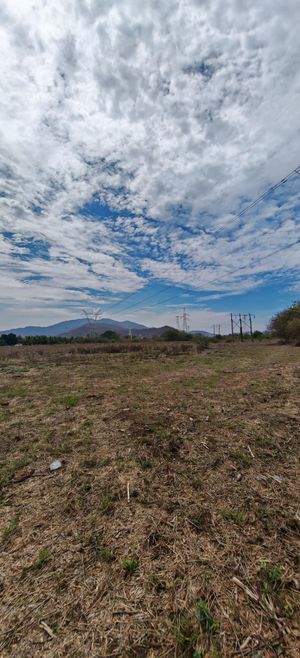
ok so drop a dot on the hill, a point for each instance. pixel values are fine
(100, 327)
(80, 327)
(62, 328)
(51, 330)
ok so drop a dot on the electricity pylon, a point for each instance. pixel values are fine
(91, 318)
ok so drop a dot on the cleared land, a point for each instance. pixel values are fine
(202, 559)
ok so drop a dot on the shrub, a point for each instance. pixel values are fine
(110, 335)
(174, 334)
(286, 324)
(293, 330)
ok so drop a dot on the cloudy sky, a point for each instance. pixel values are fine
(133, 137)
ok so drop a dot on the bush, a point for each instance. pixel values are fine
(293, 330)
(8, 339)
(175, 334)
(110, 335)
(257, 335)
(286, 324)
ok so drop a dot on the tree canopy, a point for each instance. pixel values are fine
(286, 324)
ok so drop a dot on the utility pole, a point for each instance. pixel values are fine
(231, 322)
(241, 327)
(219, 330)
(250, 323)
(214, 329)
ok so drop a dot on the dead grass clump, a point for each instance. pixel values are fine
(241, 457)
(200, 519)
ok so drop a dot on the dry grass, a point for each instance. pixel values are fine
(205, 447)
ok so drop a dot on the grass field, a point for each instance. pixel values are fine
(171, 529)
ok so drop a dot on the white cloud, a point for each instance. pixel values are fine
(175, 110)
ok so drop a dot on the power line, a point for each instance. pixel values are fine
(258, 199)
(259, 260)
(269, 191)
(141, 301)
(124, 300)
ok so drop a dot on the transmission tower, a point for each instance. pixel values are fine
(247, 322)
(185, 321)
(236, 321)
(243, 322)
(91, 318)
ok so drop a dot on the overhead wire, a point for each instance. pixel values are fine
(255, 202)
(216, 280)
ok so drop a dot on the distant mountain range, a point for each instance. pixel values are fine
(80, 327)
(121, 328)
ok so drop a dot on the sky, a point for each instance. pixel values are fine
(133, 137)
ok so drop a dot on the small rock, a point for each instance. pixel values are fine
(54, 466)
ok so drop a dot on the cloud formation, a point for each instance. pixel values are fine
(173, 115)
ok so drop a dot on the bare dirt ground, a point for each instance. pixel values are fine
(201, 561)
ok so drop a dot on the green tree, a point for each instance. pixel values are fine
(9, 339)
(110, 335)
(286, 324)
(175, 334)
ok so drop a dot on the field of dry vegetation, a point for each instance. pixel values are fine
(171, 528)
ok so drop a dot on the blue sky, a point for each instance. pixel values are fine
(132, 137)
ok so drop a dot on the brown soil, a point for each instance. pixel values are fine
(201, 561)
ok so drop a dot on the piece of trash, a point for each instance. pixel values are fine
(54, 466)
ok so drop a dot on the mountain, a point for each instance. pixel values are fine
(120, 328)
(127, 323)
(151, 331)
(80, 327)
(62, 328)
(51, 330)
(97, 328)
(201, 333)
